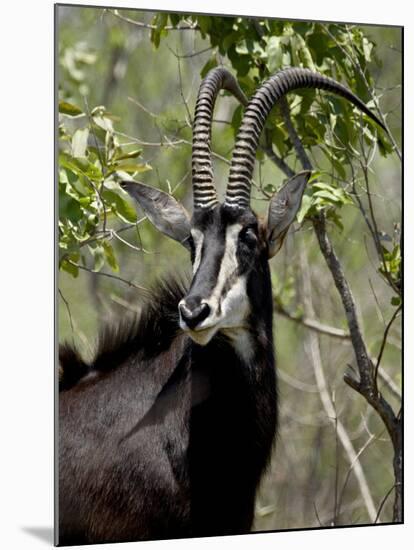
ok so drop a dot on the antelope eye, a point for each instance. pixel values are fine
(248, 235)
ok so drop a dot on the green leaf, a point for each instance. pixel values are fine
(332, 120)
(123, 156)
(160, 21)
(69, 268)
(69, 208)
(98, 254)
(384, 146)
(174, 18)
(204, 22)
(314, 123)
(279, 136)
(69, 109)
(80, 142)
(307, 98)
(396, 300)
(330, 155)
(240, 62)
(104, 122)
(81, 167)
(367, 48)
(129, 167)
(315, 176)
(120, 205)
(229, 40)
(269, 188)
(110, 256)
(335, 217)
(299, 47)
(329, 196)
(319, 44)
(242, 48)
(274, 53)
(307, 203)
(336, 191)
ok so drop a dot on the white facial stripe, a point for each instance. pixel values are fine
(228, 264)
(228, 267)
(198, 239)
(228, 312)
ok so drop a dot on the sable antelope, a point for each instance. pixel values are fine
(167, 432)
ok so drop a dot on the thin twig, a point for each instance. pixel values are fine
(365, 385)
(125, 242)
(389, 383)
(109, 275)
(180, 78)
(375, 230)
(280, 163)
(97, 191)
(384, 341)
(336, 483)
(361, 73)
(384, 500)
(143, 25)
(349, 472)
(103, 234)
(312, 324)
(142, 107)
(293, 136)
(194, 54)
(167, 143)
(316, 361)
(69, 315)
(317, 515)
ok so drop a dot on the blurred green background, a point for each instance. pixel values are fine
(148, 85)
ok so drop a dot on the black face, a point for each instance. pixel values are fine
(226, 247)
(229, 251)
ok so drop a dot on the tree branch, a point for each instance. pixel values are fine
(69, 315)
(316, 360)
(143, 25)
(384, 500)
(371, 92)
(280, 163)
(311, 324)
(384, 341)
(109, 275)
(366, 384)
(293, 136)
(389, 383)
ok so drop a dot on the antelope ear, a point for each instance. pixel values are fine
(167, 214)
(283, 208)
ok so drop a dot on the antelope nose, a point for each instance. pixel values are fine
(193, 316)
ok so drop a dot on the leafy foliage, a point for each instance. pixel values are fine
(391, 267)
(105, 59)
(92, 161)
(331, 129)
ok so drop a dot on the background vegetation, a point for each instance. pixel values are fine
(127, 86)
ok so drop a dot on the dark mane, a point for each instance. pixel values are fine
(71, 366)
(148, 333)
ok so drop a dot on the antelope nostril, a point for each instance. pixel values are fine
(194, 316)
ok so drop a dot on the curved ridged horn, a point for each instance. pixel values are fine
(202, 168)
(253, 121)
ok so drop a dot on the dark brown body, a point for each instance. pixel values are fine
(170, 443)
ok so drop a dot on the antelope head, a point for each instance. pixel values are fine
(229, 244)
